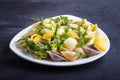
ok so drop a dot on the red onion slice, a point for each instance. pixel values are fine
(55, 56)
(91, 50)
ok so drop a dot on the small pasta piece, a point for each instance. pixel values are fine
(70, 55)
(35, 38)
(80, 50)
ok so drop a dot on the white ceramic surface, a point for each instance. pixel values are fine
(19, 52)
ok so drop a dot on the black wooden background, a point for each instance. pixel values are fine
(15, 15)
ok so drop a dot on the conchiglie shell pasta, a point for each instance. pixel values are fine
(80, 50)
(70, 55)
(35, 38)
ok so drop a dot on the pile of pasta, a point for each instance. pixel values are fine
(63, 39)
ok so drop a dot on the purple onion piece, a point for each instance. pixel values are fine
(55, 56)
(91, 50)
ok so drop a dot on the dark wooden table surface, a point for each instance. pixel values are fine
(15, 15)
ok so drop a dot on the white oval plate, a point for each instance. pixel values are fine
(20, 53)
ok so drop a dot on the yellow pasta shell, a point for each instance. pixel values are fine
(35, 38)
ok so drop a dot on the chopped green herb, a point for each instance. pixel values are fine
(37, 30)
(36, 46)
(83, 41)
(37, 19)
